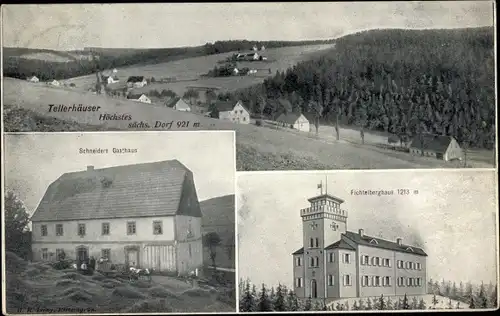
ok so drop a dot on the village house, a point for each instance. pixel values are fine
(54, 83)
(262, 48)
(136, 81)
(233, 111)
(33, 79)
(294, 120)
(110, 79)
(139, 98)
(336, 263)
(441, 147)
(178, 104)
(142, 215)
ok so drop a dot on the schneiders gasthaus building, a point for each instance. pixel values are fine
(143, 215)
(335, 263)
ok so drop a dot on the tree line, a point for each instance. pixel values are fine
(474, 296)
(268, 299)
(404, 82)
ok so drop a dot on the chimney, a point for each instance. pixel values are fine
(399, 241)
(90, 168)
(361, 232)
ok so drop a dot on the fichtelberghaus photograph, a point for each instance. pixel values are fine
(359, 241)
(339, 85)
(119, 222)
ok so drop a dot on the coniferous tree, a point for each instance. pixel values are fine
(361, 305)
(434, 301)
(308, 304)
(381, 303)
(468, 292)
(482, 301)
(279, 301)
(389, 304)
(472, 304)
(450, 305)
(355, 306)
(494, 298)
(369, 305)
(414, 303)
(292, 301)
(405, 303)
(421, 304)
(460, 291)
(247, 302)
(346, 306)
(454, 291)
(264, 304)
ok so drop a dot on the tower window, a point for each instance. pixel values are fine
(316, 261)
(311, 262)
(330, 280)
(331, 257)
(317, 242)
(347, 258)
(298, 282)
(311, 243)
(298, 261)
(347, 280)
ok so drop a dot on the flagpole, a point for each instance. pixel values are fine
(326, 185)
(321, 187)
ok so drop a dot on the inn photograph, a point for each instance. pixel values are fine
(97, 218)
(367, 240)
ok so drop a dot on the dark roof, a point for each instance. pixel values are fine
(299, 252)
(289, 118)
(135, 78)
(148, 189)
(382, 243)
(341, 244)
(431, 142)
(280, 104)
(224, 106)
(172, 102)
(134, 96)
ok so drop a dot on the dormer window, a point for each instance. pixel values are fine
(373, 241)
(409, 249)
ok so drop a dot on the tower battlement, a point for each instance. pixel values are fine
(318, 209)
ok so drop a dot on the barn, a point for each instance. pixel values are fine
(439, 146)
(294, 120)
(142, 215)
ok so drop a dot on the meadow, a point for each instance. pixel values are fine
(258, 148)
(43, 289)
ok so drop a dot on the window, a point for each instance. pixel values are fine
(400, 264)
(401, 281)
(45, 253)
(364, 260)
(106, 253)
(81, 230)
(408, 281)
(364, 281)
(347, 258)
(130, 228)
(298, 261)
(311, 262)
(330, 280)
(419, 266)
(377, 261)
(316, 261)
(44, 230)
(157, 228)
(372, 261)
(241, 111)
(317, 242)
(59, 230)
(389, 264)
(311, 243)
(331, 257)
(387, 281)
(347, 280)
(244, 119)
(298, 282)
(377, 281)
(105, 229)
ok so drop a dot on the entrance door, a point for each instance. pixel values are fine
(132, 257)
(314, 289)
(82, 254)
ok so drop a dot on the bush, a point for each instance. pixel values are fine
(160, 291)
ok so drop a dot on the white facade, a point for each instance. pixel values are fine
(33, 79)
(237, 115)
(302, 124)
(143, 98)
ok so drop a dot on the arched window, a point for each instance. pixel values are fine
(316, 259)
(311, 262)
(317, 242)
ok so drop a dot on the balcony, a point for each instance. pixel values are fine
(321, 209)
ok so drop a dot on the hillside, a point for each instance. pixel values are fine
(404, 82)
(258, 148)
(219, 216)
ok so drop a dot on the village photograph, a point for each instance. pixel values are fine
(363, 241)
(119, 222)
(306, 86)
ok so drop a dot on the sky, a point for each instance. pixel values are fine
(34, 161)
(453, 218)
(160, 25)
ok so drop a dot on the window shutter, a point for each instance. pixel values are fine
(389, 281)
(389, 262)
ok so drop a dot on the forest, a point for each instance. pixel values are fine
(281, 298)
(21, 68)
(404, 82)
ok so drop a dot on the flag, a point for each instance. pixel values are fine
(320, 185)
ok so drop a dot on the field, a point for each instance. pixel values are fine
(258, 148)
(191, 69)
(45, 290)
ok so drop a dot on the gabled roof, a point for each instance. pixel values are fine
(382, 243)
(135, 79)
(341, 244)
(225, 106)
(177, 101)
(289, 118)
(135, 96)
(431, 142)
(140, 190)
(299, 252)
